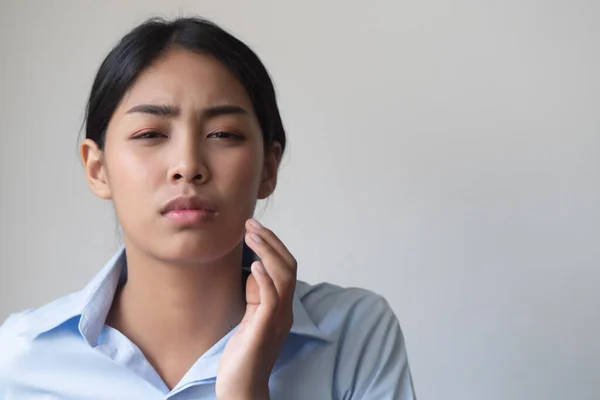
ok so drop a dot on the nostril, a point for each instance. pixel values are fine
(198, 177)
(178, 176)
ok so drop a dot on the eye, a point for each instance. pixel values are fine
(224, 135)
(150, 135)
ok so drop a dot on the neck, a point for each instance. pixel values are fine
(170, 309)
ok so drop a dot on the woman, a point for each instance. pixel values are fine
(183, 135)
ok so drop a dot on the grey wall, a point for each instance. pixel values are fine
(442, 153)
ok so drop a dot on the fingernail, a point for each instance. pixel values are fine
(255, 237)
(259, 267)
(255, 224)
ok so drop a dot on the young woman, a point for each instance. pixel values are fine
(183, 135)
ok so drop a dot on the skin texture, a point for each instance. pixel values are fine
(184, 289)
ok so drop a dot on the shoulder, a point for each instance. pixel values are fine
(19, 330)
(334, 294)
(370, 354)
(33, 321)
(12, 345)
(343, 311)
(326, 299)
(13, 326)
(26, 325)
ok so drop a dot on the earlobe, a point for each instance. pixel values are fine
(270, 171)
(266, 189)
(95, 171)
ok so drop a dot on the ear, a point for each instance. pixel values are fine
(95, 169)
(270, 170)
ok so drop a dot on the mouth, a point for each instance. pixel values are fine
(192, 210)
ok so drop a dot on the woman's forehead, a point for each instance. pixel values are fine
(184, 77)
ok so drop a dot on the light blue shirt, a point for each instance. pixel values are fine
(344, 344)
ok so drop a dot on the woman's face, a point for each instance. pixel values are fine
(186, 129)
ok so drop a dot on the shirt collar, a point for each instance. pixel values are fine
(93, 303)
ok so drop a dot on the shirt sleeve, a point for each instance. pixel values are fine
(376, 352)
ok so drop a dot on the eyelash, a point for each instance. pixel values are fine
(150, 135)
(158, 135)
(231, 135)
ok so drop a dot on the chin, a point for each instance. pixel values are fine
(191, 248)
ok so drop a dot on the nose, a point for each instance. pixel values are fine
(188, 162)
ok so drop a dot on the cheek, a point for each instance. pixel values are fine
(132, 179)
(237, 178)
(133, 168)
(240, 174)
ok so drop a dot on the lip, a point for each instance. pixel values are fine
(183, 203)
(190, 210)
(189, 217)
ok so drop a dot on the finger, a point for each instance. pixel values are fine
(283, 277)
(252, 291)
(252, 300)
(269, 298)
(270, 237)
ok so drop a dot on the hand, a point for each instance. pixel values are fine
(252, 350)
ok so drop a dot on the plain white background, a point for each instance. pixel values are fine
(442, 153)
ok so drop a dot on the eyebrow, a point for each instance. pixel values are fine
(215, 111)
(163, 110)
(160, 110)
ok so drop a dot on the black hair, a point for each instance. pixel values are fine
(138, 49)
